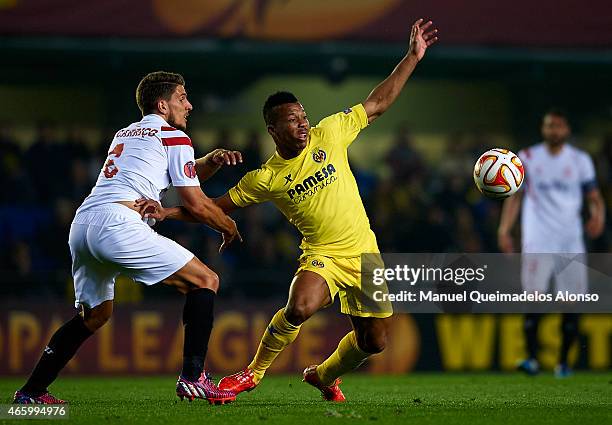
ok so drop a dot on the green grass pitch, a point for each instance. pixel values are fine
(418, 398)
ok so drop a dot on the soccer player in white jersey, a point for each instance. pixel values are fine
(558, 176)
(108, 237)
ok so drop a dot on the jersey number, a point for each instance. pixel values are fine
(110, 169)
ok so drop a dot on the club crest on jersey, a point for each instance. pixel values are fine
(318, 263)
(319, 155)
(189, 169)
(347, 111)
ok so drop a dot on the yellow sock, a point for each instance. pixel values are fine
(279, 334)
(348, 356)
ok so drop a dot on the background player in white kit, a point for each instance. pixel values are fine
(558, 176)
(108, 237)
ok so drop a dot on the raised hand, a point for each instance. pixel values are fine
(421, 37)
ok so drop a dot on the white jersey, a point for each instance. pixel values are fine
(144, 159)
(554, 190)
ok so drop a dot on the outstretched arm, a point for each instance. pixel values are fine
(380, 99)
(149, 208)
(225, 203)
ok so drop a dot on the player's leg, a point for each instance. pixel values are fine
(531, 326)
(308, 293)
(61, 348)
(536, 271)
(569, 332)
(572, 277)
(64, 344)
(136, 251)
(369, 336)
(93, 283)
(200, 285)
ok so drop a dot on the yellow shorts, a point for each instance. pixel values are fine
(343, 277)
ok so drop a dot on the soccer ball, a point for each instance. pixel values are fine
(498, 173)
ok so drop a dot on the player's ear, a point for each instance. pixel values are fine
(271, 130)
(162, 106)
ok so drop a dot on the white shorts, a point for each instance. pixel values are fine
(112, 239)
(568, 270)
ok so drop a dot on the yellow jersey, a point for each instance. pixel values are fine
(316, 190)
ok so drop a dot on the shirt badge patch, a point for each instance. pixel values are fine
(319, 155)
(318, 263)
(348, 111)
(189, 169)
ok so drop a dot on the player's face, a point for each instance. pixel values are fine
(555, 129)
(179, 108)
(291, 127)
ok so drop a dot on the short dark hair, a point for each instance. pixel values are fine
(154, 86)
(557, 112)
(274, 100)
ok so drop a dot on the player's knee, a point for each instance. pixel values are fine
(373, 343)
(97, 319)
(298, 312)
(207, 279)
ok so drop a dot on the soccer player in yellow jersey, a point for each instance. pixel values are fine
(309, 180)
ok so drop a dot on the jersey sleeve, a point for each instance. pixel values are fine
(253, 188)
(343, 127)
(181, 159)
(587, 174)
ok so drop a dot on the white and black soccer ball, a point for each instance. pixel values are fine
(498, 173)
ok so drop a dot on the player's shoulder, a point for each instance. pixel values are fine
(327, 120)
(576, 151)
(171, 136)
(531, 152)
(264, 174)
(169, 131)
(257, 181)
(579, 156)
(357, 111)
(341, 125)
(127, 130)
(140, 130)
(326, 124)
(274, 165)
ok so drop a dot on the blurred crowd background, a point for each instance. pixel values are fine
(68, 81)
(414, 205)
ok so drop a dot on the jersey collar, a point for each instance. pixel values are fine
(155, 118)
